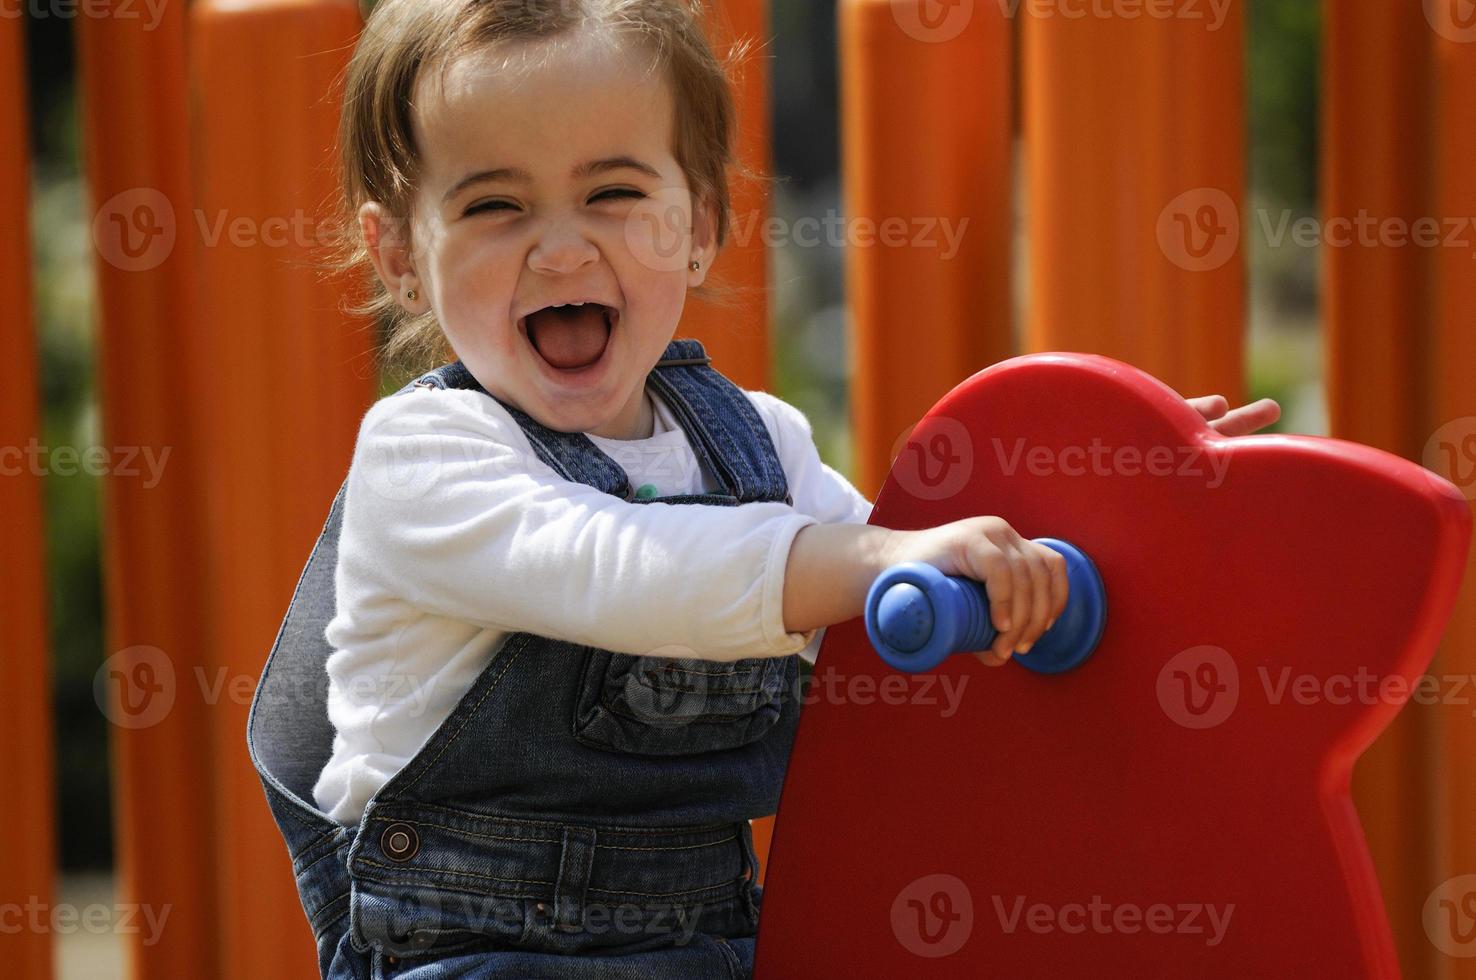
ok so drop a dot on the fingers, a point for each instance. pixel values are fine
(1248, 418)
(999, 585)
(1209, 406)
(1027, 589)
(1009, 641)
(1023, 574)
(1040, 594)
(1060, 589)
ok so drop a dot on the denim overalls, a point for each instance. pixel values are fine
(580, 813)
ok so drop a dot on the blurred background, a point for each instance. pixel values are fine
(810, 330)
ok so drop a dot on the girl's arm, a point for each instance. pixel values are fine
(449, 511)
(817, 488)
(829, 571)
(831, 565)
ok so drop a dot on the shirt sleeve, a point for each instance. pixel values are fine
(449, 510)
(817, 489)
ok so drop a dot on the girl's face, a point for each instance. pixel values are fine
(546, 184)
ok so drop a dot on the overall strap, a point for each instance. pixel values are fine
(720, 421)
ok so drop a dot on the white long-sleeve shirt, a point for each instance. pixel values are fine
(456, 535)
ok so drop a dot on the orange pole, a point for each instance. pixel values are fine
(1376, 162)
(289, 378)
(1134, 137)
(28, 806)
(134, 120)
(1451, 447)
(737, 337)
(926, 165)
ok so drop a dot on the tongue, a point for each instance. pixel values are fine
(569, 337)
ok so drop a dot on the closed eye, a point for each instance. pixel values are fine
(621, 191)
(488, 206)
(627, 192)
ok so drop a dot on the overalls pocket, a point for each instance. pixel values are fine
(677, 705)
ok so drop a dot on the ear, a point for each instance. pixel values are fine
(389, 245)
(704, 240)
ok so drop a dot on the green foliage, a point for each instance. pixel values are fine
(1282, 67)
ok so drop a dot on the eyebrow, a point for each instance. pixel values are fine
(517, 176)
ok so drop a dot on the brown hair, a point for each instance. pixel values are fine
(379, 161)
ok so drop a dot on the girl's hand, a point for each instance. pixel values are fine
(1243, 421)
(1025, 581)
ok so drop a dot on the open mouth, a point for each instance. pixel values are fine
(571, 338)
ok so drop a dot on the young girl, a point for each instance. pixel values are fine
(561, 593)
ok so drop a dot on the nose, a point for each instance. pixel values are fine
(562, 248)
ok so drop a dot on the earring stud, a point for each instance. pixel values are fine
(696, 265)
(412, 295)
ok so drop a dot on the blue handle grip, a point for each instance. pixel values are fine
(917, 617)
